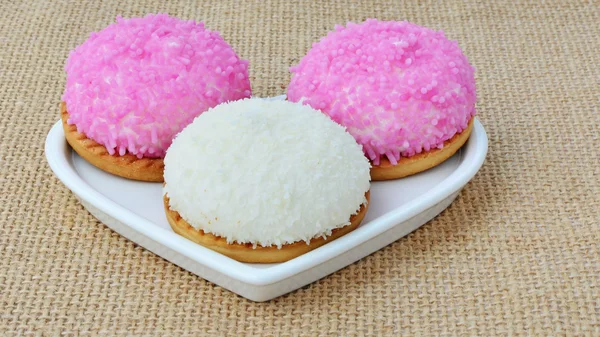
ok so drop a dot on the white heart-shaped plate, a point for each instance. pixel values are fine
(135, 210)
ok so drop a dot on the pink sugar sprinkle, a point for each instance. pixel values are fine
(404, 89)
(135, 84)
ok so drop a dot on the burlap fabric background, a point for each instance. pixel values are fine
(516, 254)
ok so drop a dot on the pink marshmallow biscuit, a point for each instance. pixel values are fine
(137, 83)
(397, 87)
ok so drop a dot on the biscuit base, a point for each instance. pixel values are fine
(420, 162)
(260, 254)
(126, 166)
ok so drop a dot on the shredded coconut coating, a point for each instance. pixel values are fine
(134, 85)
(399, 88)
(266, 173)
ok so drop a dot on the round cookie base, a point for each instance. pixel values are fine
(420, 162)
(126, 166)
(260, 254)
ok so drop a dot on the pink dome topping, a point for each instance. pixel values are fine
(397, 87)
(135, 84)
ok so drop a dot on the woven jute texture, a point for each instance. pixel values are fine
(516, 254)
